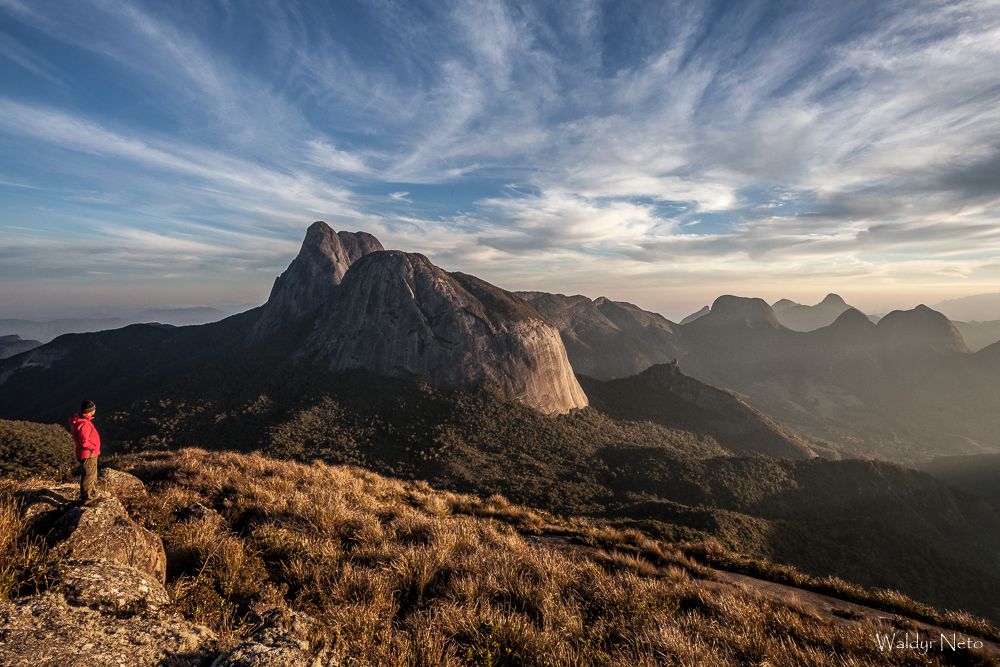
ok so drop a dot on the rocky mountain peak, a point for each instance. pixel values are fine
(833, 300)
(311, 278)
(920, 327)
(397, 314)
(853, 319)
(750, 312)
(701, 312)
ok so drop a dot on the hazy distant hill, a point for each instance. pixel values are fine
(663, 394)
(11, 345)
(46, 330)
(701, 312)
(978, 474)
(902, 388)
(798, 317)
(979, 307)
(978, 335)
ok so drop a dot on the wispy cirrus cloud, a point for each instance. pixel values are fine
(674, 144)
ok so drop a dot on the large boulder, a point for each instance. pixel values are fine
(47, 630)
(46, 505)
(120, 484)
(103, 530)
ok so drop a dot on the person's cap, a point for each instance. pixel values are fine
(87, 407)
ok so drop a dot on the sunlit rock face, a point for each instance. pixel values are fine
(313, 276)
(397, 314)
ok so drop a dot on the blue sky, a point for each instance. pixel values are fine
(173, 153)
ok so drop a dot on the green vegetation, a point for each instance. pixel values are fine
(27, 448)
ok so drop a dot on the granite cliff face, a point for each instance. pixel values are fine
(397, 314)
(311, 278)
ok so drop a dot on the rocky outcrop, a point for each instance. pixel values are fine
(103, 530)
(106, 603)
(49, 630)
(397, 314)
(119, 484)
(109, 585)
(311, 278)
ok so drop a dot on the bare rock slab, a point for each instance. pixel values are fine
(110, 586)
(46, 630)
(120, 484)
(104, 531)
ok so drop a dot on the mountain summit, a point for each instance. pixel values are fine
(920, 328)
(799, 317)
(730, 310)
(309, 281)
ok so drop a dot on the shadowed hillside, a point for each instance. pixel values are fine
(905, 388)
(663, 394)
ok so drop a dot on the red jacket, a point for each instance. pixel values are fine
(88, 442)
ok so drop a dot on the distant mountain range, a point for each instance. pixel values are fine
(46, 330)
(11, 345)
(905, 387)
(978, 335)
(975, 308)
(798, 317)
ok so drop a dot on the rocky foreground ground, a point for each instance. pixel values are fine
(106, 603)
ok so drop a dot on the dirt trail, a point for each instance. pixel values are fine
(830, 609)
(840, 612)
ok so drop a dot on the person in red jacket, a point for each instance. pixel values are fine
(88, 448)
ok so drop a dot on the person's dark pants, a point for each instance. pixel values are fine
(88, 479)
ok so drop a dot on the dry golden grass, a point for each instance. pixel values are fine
(24, 567)
(397, 573)
(715, 554)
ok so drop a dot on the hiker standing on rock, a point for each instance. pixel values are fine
(88, 448)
